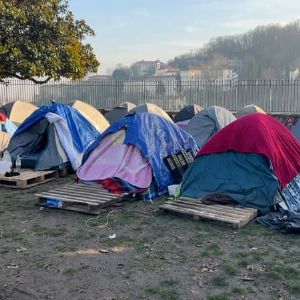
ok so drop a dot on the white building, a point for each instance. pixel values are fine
(143, 68)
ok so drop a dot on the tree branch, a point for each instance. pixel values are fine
(26, 78)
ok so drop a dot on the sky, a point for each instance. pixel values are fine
(131, 30)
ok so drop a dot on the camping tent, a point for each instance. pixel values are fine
(52, 136)
(187, 113)
(252, 170)
(17, 111)
(296, 130)
(4, 140)
(249, 109)
(208, 122)
(152, 108)
(118, 112)
(6, 125)
(110, 157)
(93, 115)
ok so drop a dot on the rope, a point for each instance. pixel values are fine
(96, 219)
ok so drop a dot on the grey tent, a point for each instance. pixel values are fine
(119, 112)
(39, 147)
(249, 109)
(296, 130)
(187, 113)
(152, 108)
(208, 122)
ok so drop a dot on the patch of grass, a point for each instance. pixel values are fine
(154, 290)
(280, 272)
(219, 280)
(243, 263)
(294, 288)
(5, 249)
(238, 290)
(165, 294)
(13, 235)
(48, 232)
(83, 235)
(170, 283)
(182, 259)
(64, 248)
(73, 271)
(121, 240)
(229, 268)
(212, 250)
(221, 296)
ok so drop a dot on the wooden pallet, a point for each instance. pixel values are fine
(233, 216)
(27, 178)
(79, 197)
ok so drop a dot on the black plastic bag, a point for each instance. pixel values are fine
(284, 221)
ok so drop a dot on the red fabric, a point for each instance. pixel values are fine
(261, 134)
(110, 185)
(2, 117)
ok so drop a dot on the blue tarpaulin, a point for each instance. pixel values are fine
(82, 131)
(156, 138)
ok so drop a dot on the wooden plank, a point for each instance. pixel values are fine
(200, 213)
(236, 217)
(216, 205)
(211, 210)
(66, 199)
(78, 197)
(217, 208)
(28, 178)
(95, 193)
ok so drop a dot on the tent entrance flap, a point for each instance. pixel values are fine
(53, 155)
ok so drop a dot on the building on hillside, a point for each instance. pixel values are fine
(294, 74)
(166, 71)
(236, 65)
(193, 73)
(99, 78)
(228, 74)
(143, 68)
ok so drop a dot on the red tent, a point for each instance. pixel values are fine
(261, 134)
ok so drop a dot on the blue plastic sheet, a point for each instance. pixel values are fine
(156, 138)
(82, 131)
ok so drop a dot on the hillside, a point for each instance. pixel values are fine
(266, 52)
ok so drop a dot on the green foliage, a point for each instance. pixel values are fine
(43, 39)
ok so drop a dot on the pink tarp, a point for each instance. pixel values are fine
(113, 159)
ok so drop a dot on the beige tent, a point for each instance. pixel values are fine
(91, 114)
(4, 140)
(18, 111)
(249, 109)
(152, 108)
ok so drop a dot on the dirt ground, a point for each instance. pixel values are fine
(52, 254)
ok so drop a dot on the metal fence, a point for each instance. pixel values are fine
(271, 95)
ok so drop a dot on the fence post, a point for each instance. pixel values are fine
(144, 89)
(270, 96)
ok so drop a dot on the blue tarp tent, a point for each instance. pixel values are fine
(156, 138)
(53, 135)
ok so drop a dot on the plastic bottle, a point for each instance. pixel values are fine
(18, 164)
(7, 159)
